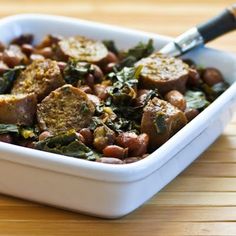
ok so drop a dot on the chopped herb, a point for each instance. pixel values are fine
(196, 99)
(6, 81)
(160, 123)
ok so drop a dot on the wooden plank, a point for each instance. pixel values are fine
(194, 199)
(201, 184)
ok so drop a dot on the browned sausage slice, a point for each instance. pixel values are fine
(160, 121)
(40, 77)
(17, 109)
(163, 72)
(65, 108)
(82, 49)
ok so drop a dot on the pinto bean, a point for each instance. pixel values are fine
(100, 91)
(191, 113)
(177, 99)
(110, 160)
(23, 39)
(98, 74)
(44, 135)
(27, 49)
(46, 52)
(85, 88)
(212, 76)
(2, 47)
(6, 138)
(193, 78)
(13, 56)
(80, 137)
(109, 67)
(61, 65)
(111, 57)
(34, 57)
(137, 145)
(89, 80)
(3, 67)
(88, 136)
(131, 160)
(94, 99)
(115, 151)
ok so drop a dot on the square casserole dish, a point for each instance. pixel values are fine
(104, 190)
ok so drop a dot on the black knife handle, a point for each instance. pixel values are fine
(219, 25)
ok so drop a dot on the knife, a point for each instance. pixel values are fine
(203, 33)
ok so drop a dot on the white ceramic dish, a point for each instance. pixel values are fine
(100, 189)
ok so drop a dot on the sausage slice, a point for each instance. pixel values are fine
(82, 49)
(63, 109)
(40, 77)
(164, 73)
(160, 121)
(17, 109)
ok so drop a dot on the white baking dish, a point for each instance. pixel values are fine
(100, 189)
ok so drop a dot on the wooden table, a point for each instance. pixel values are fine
(202, 200)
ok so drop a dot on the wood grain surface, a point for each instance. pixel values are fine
(202, 200)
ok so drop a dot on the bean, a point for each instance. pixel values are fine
(27, 49)
(89, 80)
(177, 99)
(191, 113)
(44, 135)
(100, 91)
(49, 40)
(212, 76)
(110, 160)
(3, 67)
(94, 99)
(80, 137)
(193, 78)
(88, 136)
(85, 88)
(34, 57)
(111, 57)
(61, 65)
(98, 74)
(2, 47)
(6, 138)
(115, 151)
(46, 52)
(137, 145)
(23, 39)
(109, 67)
(13, 56)
(131, 160)
(141, 148)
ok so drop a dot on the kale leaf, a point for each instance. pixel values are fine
(6, 81)
(110, 45)
(76, 70)
(67, 144)
(196, 100)
(9, 128)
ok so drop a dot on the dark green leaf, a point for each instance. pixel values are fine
(8, 128)
(6, 81)
(110, 45)
(196, 99)
(67, 144)
(76, 70)
(134, 54)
